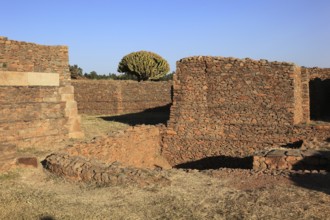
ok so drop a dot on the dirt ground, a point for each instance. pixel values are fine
(27, 193)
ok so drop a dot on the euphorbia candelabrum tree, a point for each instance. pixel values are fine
(144, 65)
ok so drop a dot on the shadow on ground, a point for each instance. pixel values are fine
(294, 145)
(217, 162)
(47, 217)
(153, 116)
(314, 181)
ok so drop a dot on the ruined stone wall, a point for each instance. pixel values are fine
(317, 87)
(108, 97)
(37, 107)
(233, 107)
(321, 73)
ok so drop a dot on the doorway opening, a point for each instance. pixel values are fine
(319, 94)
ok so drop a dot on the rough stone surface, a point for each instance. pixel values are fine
(30, 115)
(234, 107)
(94, 172)
(107, 97)
(27, 161)
(280, 159)
(137, 147)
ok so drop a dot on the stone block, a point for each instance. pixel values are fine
(43, 79)
(294, 153)
(66, 90)
(67, 97)
(27, 161)
(9, 78)
(276, 153)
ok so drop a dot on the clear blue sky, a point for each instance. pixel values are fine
(99, 32)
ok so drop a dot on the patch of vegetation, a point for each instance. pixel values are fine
(144, 65)
(77, 73)
(10, 175)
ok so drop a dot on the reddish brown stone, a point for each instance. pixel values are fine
(263, 105)
(35, 116)
(28, 161)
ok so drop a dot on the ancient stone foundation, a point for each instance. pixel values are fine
(137, 146)
(37, 106)
(293, 159)
(234, 107)
(93, 172)
(109, 97)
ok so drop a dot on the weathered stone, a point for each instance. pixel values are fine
(256, 104)
(28, 161)
(294, 153)
(108, 97)
(34, 87)
(276, 153)
(101, 173)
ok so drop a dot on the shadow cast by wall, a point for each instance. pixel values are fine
(152, 116)
(218, 162)
(47, 217)
(294, 145)
(314, 181)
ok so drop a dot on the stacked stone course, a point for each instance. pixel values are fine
(35, 112)
(94, 172)
(108, 97)
(292, 159)
(234, 107)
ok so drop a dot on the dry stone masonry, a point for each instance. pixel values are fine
(94, 172)
(292, 159)
(234, 107)
(37, 105)
(108, 97)
(137, 146)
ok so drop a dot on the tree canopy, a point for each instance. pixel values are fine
(144, 65)
(76, 71)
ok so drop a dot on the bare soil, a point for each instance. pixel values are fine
(27, 193)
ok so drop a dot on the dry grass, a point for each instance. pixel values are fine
(94, 126)
(35, 194)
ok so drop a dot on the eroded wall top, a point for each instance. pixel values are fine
(22, 57)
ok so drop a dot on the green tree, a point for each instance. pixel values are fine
(75, 71)
(91, 75)
(167, 77)
(144, 65)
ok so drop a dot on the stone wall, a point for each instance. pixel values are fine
(233, 107)
(97, 173)
(37, 104)
(317, 90)
(108, 97)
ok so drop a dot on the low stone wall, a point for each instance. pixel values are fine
(293, 159)
(137, 146)
(93, 172)
(109, 97)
